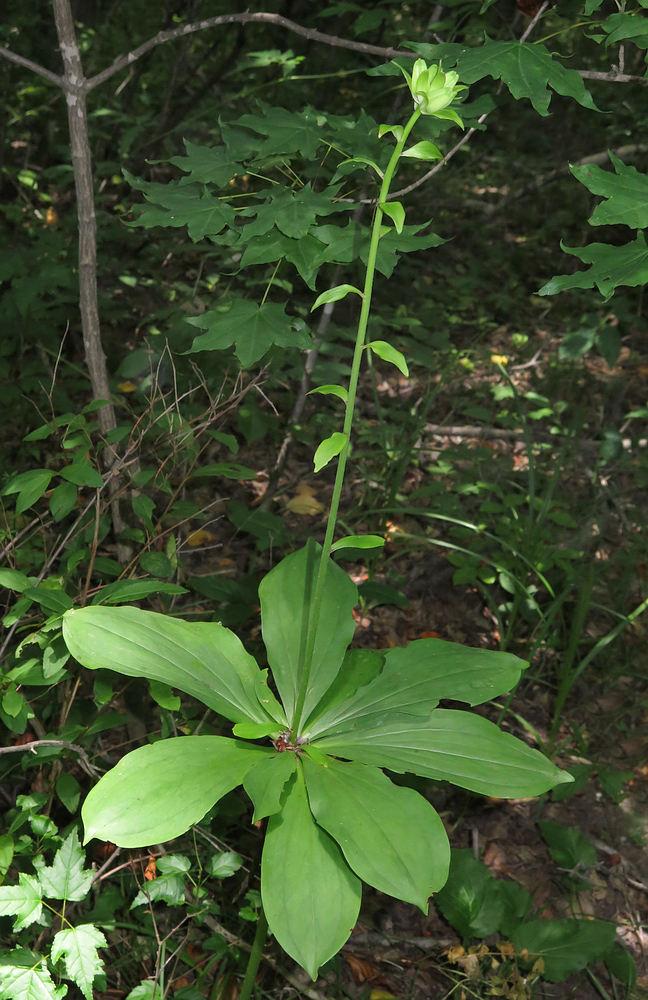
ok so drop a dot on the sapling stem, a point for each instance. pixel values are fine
(255, 957)
(348, 419)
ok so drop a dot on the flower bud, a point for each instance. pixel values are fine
(431, 88)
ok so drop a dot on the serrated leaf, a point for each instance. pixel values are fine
(612, 266)
(252, 328)
(331, 390)
(177, 204)
(207, 164)
(390, 354)
(23, 901)
(79, 946)
(167, 888)
(328, 449)
(626, 193)
(391, 837)
(225, 864)
(310, 896)
(203, 659)
(18, 983)
(65, 878)
(137, 804)
(565, 946)
(287, 132)
(451, 746)
(423, 151)
(335, 295)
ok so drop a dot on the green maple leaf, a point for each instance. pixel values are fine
(65, 879)
(79, 946)
(254, 329)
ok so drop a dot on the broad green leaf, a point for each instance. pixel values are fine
(178, 203)
(631, 24)
(626, 193)
(148, 799)
(12, 579)
(334, 295)
(470, 899)
(265, 782)
(167, 887)
(565, 946)
(358, 163)
(396, 213)
(65, 878)
(358, 542)
(23, 901)
(310, 896)
(79, 945)
(287, 132)
(124, 591)
(148, 989)
(359, 668)
(202, 659)
(29, 486)
(516, 906)
(567, 846)
(390, 354)
(391, 837)
(252, 328)
(143, 508)
(224, 865)
(306, 254)
(62, 500)
(452, 746)
(82, 473)
(331, 390)
(156, 563)
(621, 964)
(291, 211)
(396, 130)
(423, 151)
(68, 790)
(328, 449)
(286, 594)
(6, 853)
(163, 696)
(611, 266)
(17, 983)
(254, 730)
(50, 598)
(416, 677)
(13, 702)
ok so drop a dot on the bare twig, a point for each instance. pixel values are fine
(35, 744)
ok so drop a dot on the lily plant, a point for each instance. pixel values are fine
(314, 731)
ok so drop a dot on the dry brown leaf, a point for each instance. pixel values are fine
(304, 501)
(200, 537)
(362, 971)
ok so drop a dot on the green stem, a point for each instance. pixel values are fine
(348, 418)
(255, 957)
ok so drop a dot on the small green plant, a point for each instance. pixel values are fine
(334, 818)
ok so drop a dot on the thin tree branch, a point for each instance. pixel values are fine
(214, 22)
(28, 64)
(34, 746)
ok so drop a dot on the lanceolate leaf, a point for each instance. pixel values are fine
(159, 791)
(286, 595)
(451, 746)
(359, 668)
(416, 677)
(328, 449)
(202, 659)
(391, 837)
(310, 896)
(265, 783)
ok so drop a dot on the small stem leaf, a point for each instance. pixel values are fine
(265, 782)
(416, 677)
(423, 151)
(79, 945)
(310, 896)
(353, 163)
(148, 798)
(396, 130)
(389, 353)
(322, 759)
(396, 213)
(254, 730)
(335, 294)
(328, 449)
(358, 542)
(391, 837)
(451, 746)
(286, 596)
(203, 659)
(331, 390)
